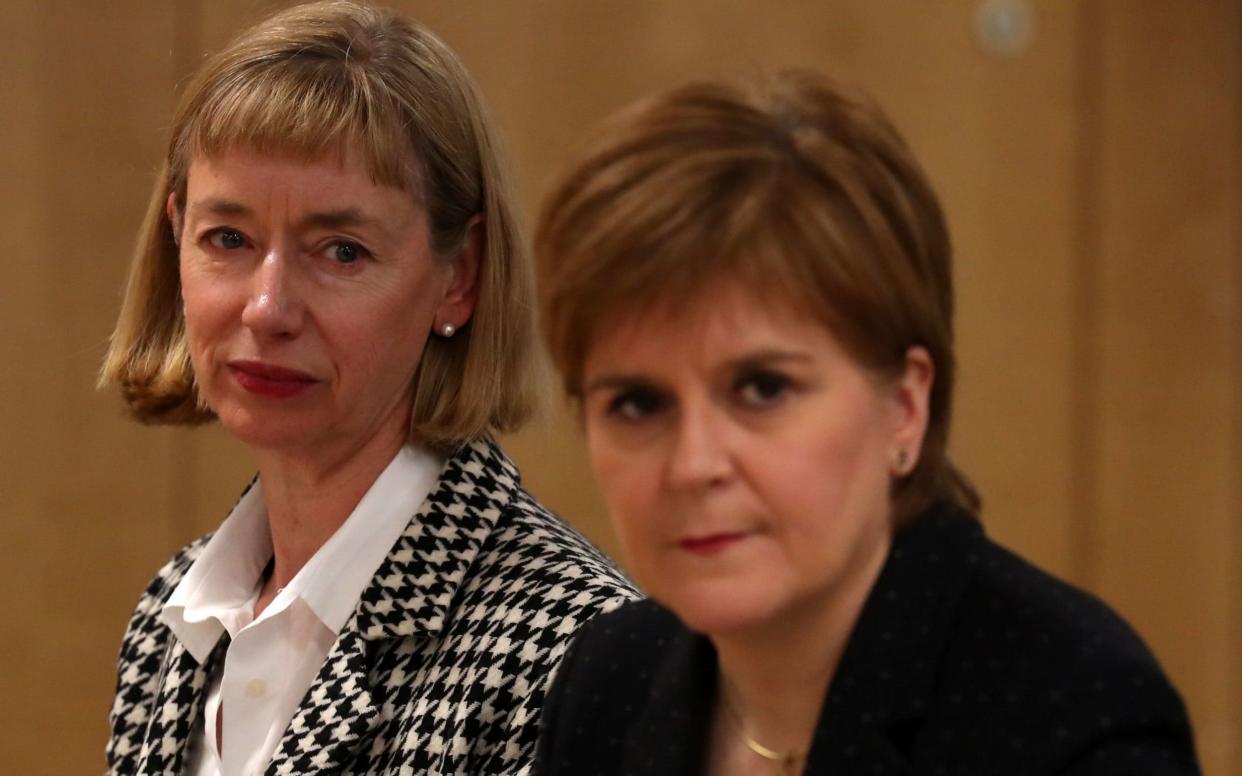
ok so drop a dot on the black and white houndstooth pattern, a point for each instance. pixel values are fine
(443, 666)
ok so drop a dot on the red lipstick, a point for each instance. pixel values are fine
(712, 544)
(270, 380)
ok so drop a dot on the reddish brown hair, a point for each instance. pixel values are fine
(787, 184)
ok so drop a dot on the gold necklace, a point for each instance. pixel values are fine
(787, 762)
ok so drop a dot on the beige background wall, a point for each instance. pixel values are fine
(1092, 180)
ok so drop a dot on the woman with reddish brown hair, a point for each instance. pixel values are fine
(747, 289)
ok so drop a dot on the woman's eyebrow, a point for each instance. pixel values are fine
(217, 206)
(326, 219)
(336, 219)
(751, 360)
(609, 381)
(766, 357)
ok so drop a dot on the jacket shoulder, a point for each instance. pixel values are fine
(1057, 670)
(171, 573)
(531, 551)
(160, 589)
(536, 570)
(556, 559)
(1008, 595)
(620, 665)
(636, 635)
(533, 586)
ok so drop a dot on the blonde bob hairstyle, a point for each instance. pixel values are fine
(306, 83)
(786, 185)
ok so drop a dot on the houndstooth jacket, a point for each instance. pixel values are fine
(441, 669)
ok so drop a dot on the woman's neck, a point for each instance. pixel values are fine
(774, 676)
(308, 497)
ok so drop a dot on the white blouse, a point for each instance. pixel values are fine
(272, 660)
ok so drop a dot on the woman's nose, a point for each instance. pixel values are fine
(700, 454)
(274, 307)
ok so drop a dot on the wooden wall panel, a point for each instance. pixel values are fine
(1168, 339)
(23, 190)
(86, 494)
(1233, 720)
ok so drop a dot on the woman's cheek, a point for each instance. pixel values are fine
(632, 509)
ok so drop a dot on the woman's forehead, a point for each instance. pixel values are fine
(397, 168)
(246, 165)
(334, 191)
(727, 307)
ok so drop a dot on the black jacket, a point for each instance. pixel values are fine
(965, 660)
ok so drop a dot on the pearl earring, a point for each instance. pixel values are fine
(447, 330)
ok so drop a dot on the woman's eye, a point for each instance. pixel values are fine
(227, 239)
(346, 252)
(762, 389)
(635, 404)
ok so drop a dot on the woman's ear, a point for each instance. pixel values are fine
(462, 292)
(912, 398)
(174, 216)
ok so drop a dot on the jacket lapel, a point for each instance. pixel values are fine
(176, 710)
(409, 596)
(335, 717)
(883, 686)
(669, 734)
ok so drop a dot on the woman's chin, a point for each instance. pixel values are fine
(260, 432)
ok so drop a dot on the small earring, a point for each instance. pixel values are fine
(903, 459)
(447, 330)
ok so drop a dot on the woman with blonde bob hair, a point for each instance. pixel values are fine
(331, 267)
(747, 290)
